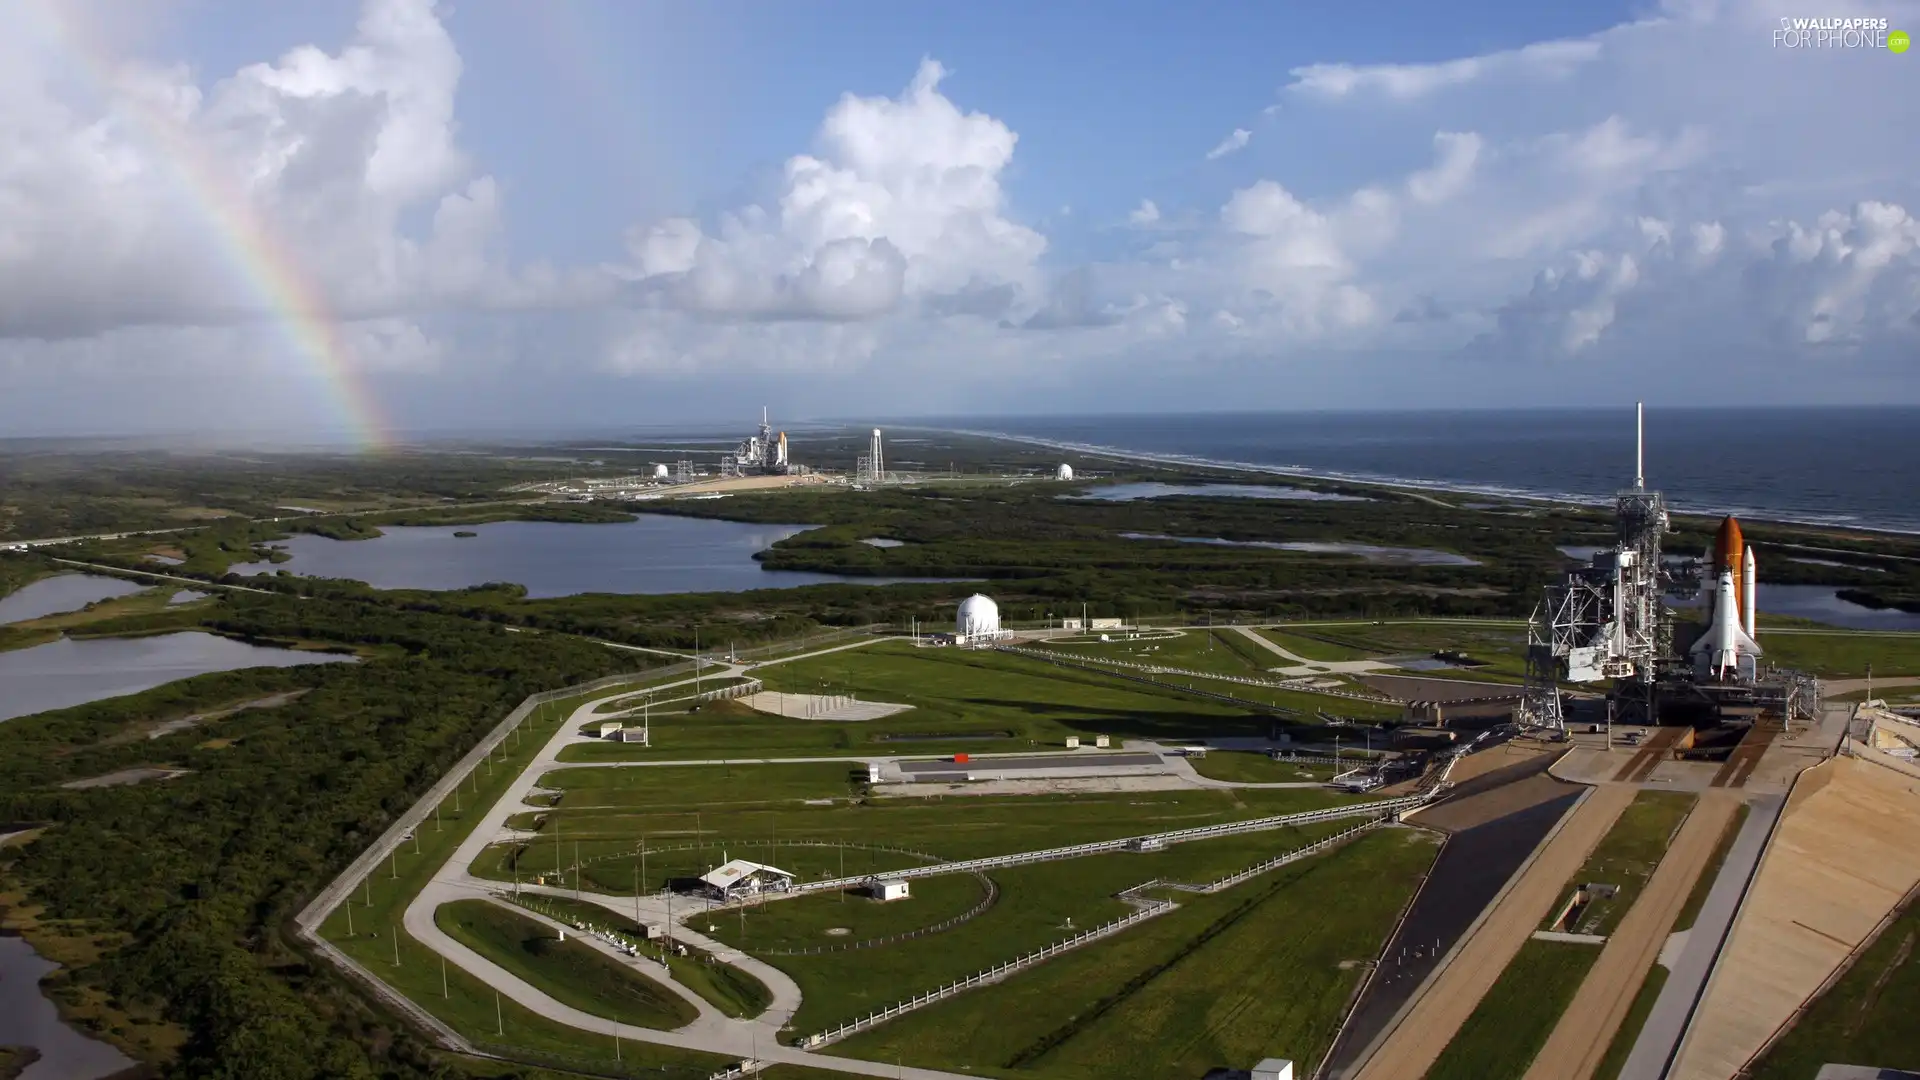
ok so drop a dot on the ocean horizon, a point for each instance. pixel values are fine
(1852, 467)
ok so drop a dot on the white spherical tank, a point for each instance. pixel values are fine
(979, 617)
(1064, 472)
(659, 472)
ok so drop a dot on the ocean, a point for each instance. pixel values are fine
(1850, 467)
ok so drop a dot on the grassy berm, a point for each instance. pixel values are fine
(1263, 969)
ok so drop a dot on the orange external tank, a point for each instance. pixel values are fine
(1729, 549)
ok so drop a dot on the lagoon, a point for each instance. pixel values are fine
(64, 673)
(1156, 490)
(61, 593)
(651, 555)
(1369, 552)
(27, 1018)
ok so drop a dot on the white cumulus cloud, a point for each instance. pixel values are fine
(1232, 144)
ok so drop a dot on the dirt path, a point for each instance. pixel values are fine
(1586, 1029)
(1440, 1007)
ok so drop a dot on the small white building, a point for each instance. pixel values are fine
(884, 889)
(1064, 472)
(632, 735)
(1273, 1069)
(978, 621)
(738, 878)
(873, 772)
(606, 729)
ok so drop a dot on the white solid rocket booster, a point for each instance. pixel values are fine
(1747, 569)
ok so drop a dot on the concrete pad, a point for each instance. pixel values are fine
(1842, 857)
(1586, 1029)
(819, 707)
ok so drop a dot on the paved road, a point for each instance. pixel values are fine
(1313, 666)
(1660, 1036)
(1586, 1029)
(711, 1032)
(1438, 1009)
(194, 582)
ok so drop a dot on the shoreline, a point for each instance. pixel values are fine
(1405, 484)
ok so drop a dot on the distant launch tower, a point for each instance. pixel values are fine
(874, 464)
(1606, 620)
(763, 453)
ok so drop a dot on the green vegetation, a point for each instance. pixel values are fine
(1253, 767)
(15, 1059)
(208, 867)
(1710, 873)
(1310, 643)
(808, 922)
(1626, 857)
(1518, 1013)
(685, 841)
(1038, 904)
(1864, 1017)
(1222, 981)
(1630, 1025)
(1845, 655)
(726, 987)
(31, 632)
(571, 971)
(1220, 649)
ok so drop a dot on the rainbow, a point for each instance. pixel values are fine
(256, 255)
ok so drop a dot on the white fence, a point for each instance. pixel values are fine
(1149, 907)
(992, 974)
(1298, 686)
(1379, 807)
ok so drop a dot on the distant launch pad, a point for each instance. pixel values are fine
(1608, 623)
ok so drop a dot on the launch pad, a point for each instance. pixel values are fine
(1608, 623)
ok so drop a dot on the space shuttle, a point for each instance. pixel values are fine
(1727, 652)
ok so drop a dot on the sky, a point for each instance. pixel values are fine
(356, 219)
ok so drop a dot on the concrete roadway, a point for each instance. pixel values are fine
(713, 1033)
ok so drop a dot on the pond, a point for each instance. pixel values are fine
(67, 672)
(1157, 490)
(27, 1018)
(61, 593)
(654, 554)
(1369, 552)
(1820, 603)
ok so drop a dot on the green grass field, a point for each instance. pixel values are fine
(1263, 969)
(459, 999)
(1630, 1025)
(1513, 1020)
(1251, 767)
(1844, 655)
(1864, 1018)
(1307, 643)
(1219, 649)
(1038, 904)
(608, 840)
(1703, 885)
(1627, 856)
(804, 922)
(727, 988)
(571, 971)
(1502, 648)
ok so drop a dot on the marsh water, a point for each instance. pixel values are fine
(1821, 603)
(64, 673)
(1369, 552)
(61, 593)
(655, 553)
(1147, 489)
(27, 1018)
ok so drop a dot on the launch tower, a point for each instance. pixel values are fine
(1605, 621)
